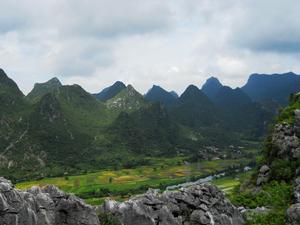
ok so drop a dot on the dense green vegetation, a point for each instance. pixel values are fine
(273, 194)
(149, 130)
(276, 196)
(287, 114)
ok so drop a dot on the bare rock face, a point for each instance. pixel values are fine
(285, 139)
(293, 213)
(286, 142)
(195, 205)
(297, 122)
(264, 175)
(46, 206)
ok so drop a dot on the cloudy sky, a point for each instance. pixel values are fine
(172, 43)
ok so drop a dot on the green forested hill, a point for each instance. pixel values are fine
(58, 129)
(194, 109)
(148, 131)
(127, 100)
(40, 89)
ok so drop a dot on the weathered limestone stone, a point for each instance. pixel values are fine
(195, 205)
(42, 206)
(264, 175)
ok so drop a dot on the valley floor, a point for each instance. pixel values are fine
(121, 184)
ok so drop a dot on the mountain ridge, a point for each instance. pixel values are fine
(194, 108)
(111, 91)
(276, 87)
(41, 89)
(158, 94)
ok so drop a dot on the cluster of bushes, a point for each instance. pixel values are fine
(108, 219)
(287, 114)
(271, 218)
(276, 196)
(104, 192)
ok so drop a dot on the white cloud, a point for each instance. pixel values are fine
(145, 42)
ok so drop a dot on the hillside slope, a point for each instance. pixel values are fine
(194, 109)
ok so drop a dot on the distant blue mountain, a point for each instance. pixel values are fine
(239, 112)
(272, 87)
(158, 94)
(231, 98)
(111, 91)
(211, 87)
(174, 94)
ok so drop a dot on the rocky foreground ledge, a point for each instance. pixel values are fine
(195, 205)
(199, 204)
(42, 206)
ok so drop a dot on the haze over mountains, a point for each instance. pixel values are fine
(62, 128)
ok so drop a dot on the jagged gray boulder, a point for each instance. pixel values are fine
(284, 138)
(297, 190)
(42, 206)
(293, 214)
(195, 205)
(263, 175)
(297, 122)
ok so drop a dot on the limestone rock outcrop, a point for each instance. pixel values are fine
(263, 175)
(293, 212)
(286, 142)
(195, 205)
(42, 206)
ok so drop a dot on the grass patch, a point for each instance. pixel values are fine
(276, 196)
(228, 184)
(272, 195)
